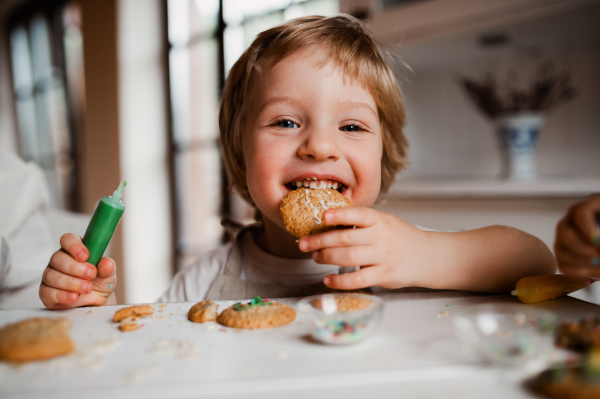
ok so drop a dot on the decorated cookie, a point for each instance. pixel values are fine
(133, 312)
(257, 313)
(345, 303)
(35, 339)
(203, 311)
(580, 335)
(301, 210)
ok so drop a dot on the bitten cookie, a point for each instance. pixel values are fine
(35, 339)
(203, 311)
(301, 210)
(257, 314)
(133, 312)
(346, 303)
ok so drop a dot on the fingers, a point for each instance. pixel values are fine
(567, 238)
(355, 216)
(348, 256)
(107, 276)
(336, 238)
(583, 218)
(72, 244)
(106, 268)
(55, 279)
(53, 298)
(365, 277)
(64, 263)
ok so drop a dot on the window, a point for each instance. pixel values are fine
(47, 68)
(205, 38)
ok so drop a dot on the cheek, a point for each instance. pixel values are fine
(261, 162)
(368, 174)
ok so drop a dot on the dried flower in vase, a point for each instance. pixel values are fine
(548, 91)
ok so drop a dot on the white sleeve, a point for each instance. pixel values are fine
(424, 228)
(191, 284)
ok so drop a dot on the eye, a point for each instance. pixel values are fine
(351, 128)
(287, 124)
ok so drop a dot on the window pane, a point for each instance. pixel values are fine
(190, 19)
(198, 177)
(195, 93)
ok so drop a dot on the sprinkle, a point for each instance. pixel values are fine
(109, 286)
(222, 330)
(448, 306)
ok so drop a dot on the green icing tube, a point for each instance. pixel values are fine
(103, 224)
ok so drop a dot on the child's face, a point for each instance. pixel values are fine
(306, 125)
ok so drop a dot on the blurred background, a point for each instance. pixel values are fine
(98, 91)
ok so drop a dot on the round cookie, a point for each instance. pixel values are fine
(133, 312)
(203, 311)
(566, 384)
(301, 210)
(35, 339)
(346, 303)
(257, 314)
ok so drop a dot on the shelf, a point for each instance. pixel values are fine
(563, 188)
(429, 20)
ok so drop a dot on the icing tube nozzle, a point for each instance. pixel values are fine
(117, 195)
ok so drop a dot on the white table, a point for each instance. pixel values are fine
(414, 354)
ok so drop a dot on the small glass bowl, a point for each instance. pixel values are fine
(330, 325)
(507, 334)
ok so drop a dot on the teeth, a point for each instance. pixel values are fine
(320, 184)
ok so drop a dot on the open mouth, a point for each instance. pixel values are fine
(317, 184)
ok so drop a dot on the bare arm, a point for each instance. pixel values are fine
(395, 254)
(490, 259)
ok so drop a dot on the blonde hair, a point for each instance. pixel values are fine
(351, 48)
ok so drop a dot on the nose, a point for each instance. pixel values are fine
(319, 145)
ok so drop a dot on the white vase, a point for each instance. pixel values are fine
(518, 135)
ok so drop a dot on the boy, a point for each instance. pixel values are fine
(313, 101)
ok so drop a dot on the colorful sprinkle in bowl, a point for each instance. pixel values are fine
(506, 334)
(342, 319)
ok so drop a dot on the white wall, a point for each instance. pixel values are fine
(143, 143)
(449, 137)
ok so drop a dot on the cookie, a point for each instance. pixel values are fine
(133, 312)
(580, 335)
(203, 311)
(128, 325)
(301, 210)
(345, 303)
(568, 383)
(257, 314)
(35, 339)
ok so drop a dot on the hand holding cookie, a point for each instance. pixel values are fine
(69, 281)
(388, 249)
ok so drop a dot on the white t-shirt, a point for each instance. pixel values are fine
(191, 284)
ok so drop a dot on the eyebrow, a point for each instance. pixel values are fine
(274, 100)
(358, 104)
(293, 100)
